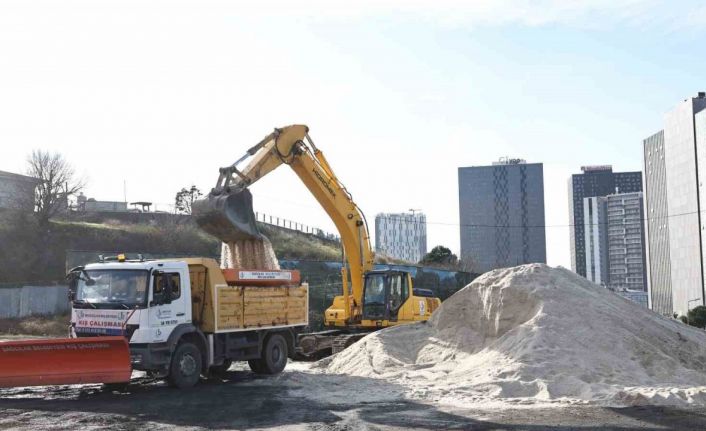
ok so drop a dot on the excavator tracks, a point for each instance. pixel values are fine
(341, 342)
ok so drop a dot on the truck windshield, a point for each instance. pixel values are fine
(123, 288)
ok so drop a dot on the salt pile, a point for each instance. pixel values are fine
(532, 335)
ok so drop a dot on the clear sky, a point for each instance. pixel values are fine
(398, 95)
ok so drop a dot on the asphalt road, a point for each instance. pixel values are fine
(243, 400)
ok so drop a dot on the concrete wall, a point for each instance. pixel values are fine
(21, 301)
(16, 191)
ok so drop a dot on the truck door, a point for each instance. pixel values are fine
(167, 304)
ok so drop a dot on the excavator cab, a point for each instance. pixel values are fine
(384, 294)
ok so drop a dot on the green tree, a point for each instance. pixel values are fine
(185, 198)
(440, 255)
(697, 316)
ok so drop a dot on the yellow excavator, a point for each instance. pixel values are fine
(371, 299)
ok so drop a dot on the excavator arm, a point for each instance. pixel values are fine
(227, 211)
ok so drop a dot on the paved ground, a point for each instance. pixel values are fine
(242, 400)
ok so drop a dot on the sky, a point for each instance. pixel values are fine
(146, 97)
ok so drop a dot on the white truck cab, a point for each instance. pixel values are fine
(114, 298)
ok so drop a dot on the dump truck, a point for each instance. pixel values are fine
(174, 318)
(370, 299)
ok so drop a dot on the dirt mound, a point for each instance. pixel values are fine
(534, 334)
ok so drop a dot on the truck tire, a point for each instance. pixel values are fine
(274, 355)
(185, 368)
(256, 366)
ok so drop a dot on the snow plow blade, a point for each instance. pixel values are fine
(228, 217)
(64, 361)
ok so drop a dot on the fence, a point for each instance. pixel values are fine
(21, 301)
(293, 225)
(324, 279)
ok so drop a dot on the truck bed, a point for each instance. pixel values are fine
(219, 307)
(244, 308)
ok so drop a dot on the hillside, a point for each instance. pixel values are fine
(28, 254)
(289, 244)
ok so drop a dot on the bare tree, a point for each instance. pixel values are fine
(185, 198)
(56, 182)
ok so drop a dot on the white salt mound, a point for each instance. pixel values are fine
(535, 334)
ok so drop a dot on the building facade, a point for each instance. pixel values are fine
(595, 238)
(675, 166)
(659, 278)
(626, 242)
(615, 242)
(17, 191)
(501, 209)
(594, 181)
(401, 236)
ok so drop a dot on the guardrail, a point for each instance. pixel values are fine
(293, 225)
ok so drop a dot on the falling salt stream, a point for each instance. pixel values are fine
(249, 254)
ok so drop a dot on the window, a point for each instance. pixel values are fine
(375, 290)
(396, 298)
(126, 287)
(165, 280)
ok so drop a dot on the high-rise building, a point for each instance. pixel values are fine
(502, 214)
(614, 241)
(401, 236)
(596, 239)
(675, 163)
(659, 278)
(626, 242)
(594, 181)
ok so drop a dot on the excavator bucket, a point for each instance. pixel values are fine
(228, 217)
(64, 361)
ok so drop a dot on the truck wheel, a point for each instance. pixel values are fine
(220, 370)
(274, 356)
(185, 369)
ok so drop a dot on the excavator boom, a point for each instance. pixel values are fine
(227, 212)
